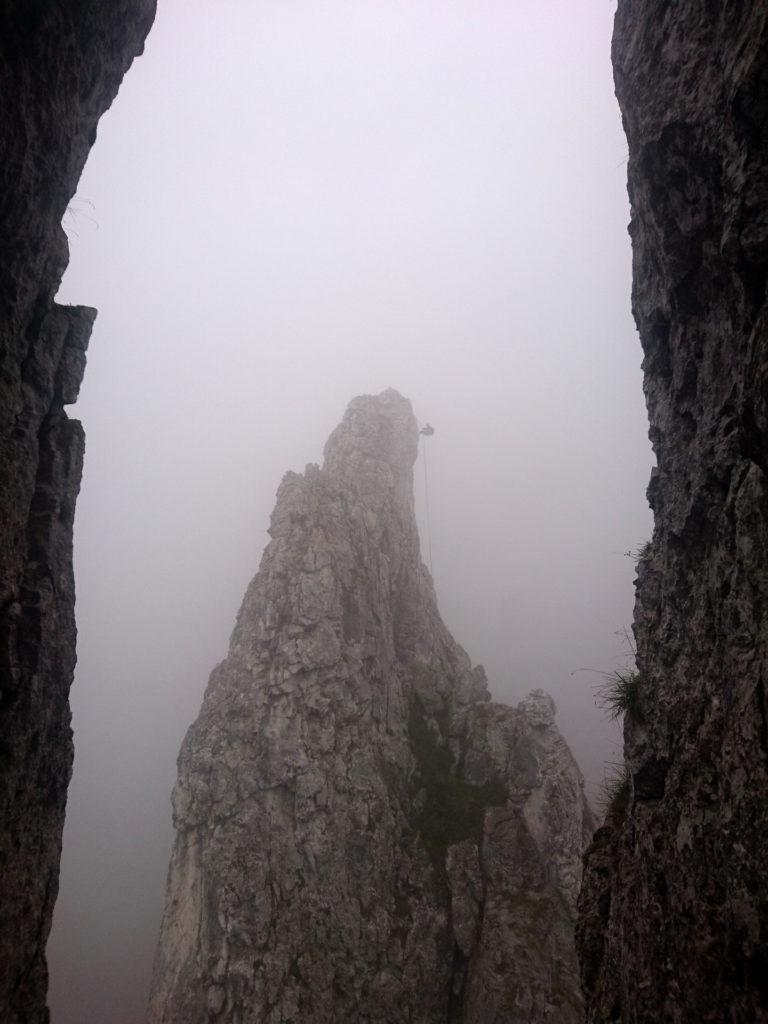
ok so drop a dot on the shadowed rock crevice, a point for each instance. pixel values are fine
(361, 834)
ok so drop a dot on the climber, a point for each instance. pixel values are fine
(427, 430)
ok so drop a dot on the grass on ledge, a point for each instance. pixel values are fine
(619, 693)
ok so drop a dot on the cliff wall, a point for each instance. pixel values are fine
(60, 67)
(362, 835)
(674, 908)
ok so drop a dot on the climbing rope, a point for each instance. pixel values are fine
(426, 500)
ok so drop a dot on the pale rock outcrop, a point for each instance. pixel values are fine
(361, 834)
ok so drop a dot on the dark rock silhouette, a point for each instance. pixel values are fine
(60, 67)
(361, 834)
(674, 908)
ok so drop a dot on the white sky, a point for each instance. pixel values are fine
(289, 204)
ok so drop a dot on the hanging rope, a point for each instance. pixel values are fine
(426, 497)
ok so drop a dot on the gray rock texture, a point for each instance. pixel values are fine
(60, 67)
(674, 909)
(361, 834)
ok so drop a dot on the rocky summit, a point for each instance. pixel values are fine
(362, 835)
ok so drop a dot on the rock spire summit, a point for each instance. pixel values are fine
(361, 834)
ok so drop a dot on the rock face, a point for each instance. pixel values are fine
(674, 909)
(60, 67)
(361, 834)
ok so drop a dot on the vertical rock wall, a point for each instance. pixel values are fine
(674, 908)
(60, 67)
(362, 835)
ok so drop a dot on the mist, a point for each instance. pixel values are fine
(290, 204)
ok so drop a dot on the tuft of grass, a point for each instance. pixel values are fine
(639, 552)
(619, 693)
(616, 788)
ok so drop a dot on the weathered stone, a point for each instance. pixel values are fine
(361, 834)
(60, 67)
(674, 908)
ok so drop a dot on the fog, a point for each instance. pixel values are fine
(289, 204)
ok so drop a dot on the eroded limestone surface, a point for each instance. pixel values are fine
(362, 835)
(674, 910)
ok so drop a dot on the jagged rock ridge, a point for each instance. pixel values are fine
(674, 909)
(60, 67)
(361, 834)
